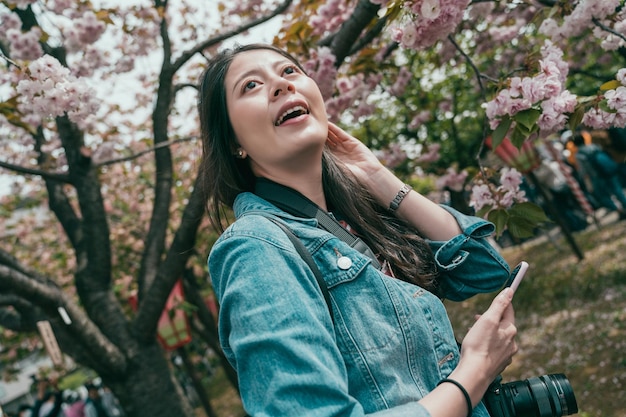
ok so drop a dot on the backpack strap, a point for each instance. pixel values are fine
(295, 203)
(306, 256)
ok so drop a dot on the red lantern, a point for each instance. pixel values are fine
(523, 159)
(173, 328)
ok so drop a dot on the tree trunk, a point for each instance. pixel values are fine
(148, 388)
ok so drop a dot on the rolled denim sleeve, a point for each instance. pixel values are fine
(468, 263)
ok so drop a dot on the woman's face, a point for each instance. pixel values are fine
(277, 113)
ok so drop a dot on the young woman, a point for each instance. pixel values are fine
(384, 346)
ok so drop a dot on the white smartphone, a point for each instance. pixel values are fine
(519, 271)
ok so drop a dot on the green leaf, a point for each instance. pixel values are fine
(529, 211)
(605, 107)
(481, 213)
(576, 118)
(499, 218)
(500, 132)
(527, 118)
(521, 228)
(610, 85)
(518, 137)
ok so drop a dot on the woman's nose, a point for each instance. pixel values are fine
(282, 87)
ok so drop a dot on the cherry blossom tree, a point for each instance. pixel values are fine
(99, 135)
(437, 67)
(118, 178)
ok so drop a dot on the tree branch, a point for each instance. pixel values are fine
(49, 297)
(19, 317)
(369, 36)
(351, 29)
(608, 29)
(159, 219)
(35, 172)
(483, 92)
(174, 264)
(469, 61)
(145, 151)
(185, 56)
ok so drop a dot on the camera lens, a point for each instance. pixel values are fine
(543, 396)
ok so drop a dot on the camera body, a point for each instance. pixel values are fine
(544, 396)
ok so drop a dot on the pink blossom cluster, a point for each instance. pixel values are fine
(330, 16)
(23, 4)
(352, 95)
(581, 19)
(142, 34)
(432, 153)
(246, 7)
(85, 30)
(545, 91)
(615, 100)
(24, 45)
(419, 119)
(51, 91)
(402, 80)
(426, 21)
(393, 156)
(339, 94)
(61, 6)
(503, 196)
(452, 180)
(350, 90)
(321, 67)
(89, 61)
(505, 28)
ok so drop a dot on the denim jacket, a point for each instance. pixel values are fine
(390, 341)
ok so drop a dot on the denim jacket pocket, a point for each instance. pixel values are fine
(361, 303)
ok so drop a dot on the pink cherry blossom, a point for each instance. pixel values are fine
(481, 197)
(321, 67)
(402, 80)
(393, 156)
(503, 195)
(23, 4)
(616, 99)
(430, 9)
(25, 45)
(419, 119)
(510, 179)
(52, 91)
(598, 119)
(621, 76)
(428, 21)
(452, 180)
(432, 154)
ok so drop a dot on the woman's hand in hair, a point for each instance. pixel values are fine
(432, 221)
(353, 153)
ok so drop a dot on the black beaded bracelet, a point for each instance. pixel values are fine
(395, 203)
(464, 391)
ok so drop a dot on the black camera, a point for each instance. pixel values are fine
(544, 396)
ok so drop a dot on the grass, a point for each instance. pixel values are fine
(570, 314)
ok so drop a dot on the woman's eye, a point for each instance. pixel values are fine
(249, 85)
(289, 70)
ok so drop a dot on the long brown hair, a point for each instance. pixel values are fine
(226, 176)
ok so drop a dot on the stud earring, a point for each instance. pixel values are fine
(241, 154)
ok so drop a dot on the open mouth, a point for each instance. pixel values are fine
(290, 114)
